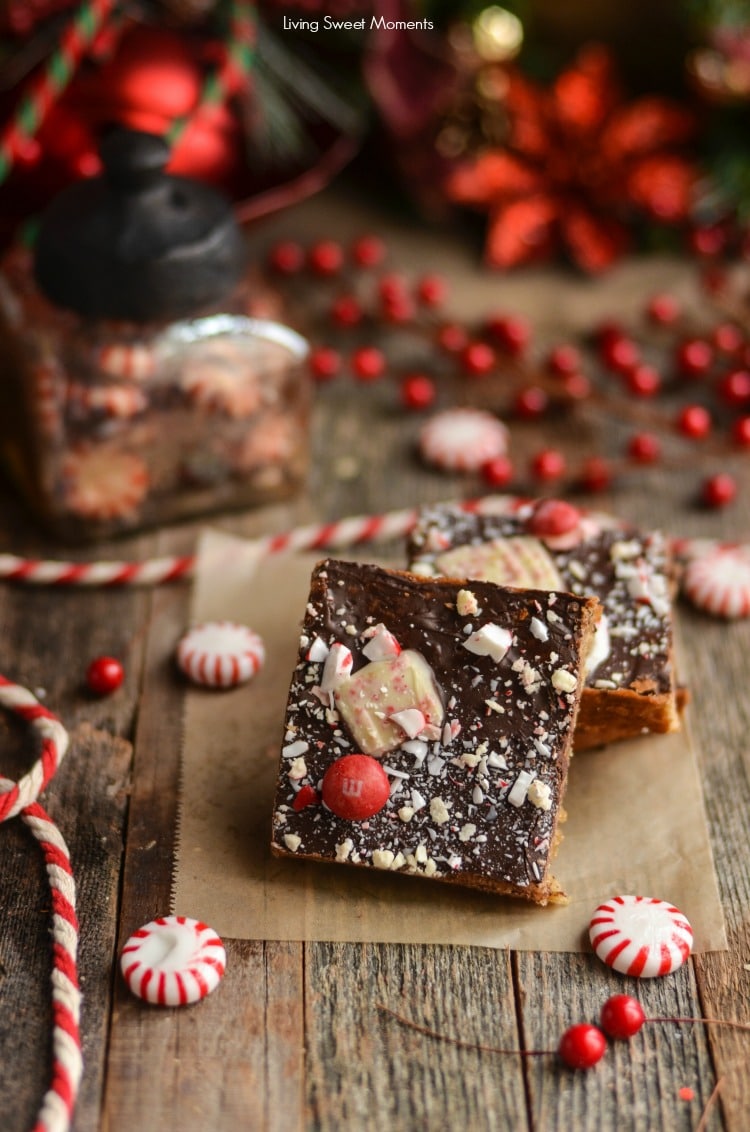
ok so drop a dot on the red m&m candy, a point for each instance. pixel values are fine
(355, 787)
(553, 517)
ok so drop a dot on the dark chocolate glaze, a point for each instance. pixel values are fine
(473, 771)
(641, 638)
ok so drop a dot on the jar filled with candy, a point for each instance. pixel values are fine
(138, 388)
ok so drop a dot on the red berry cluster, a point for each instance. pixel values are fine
(583, 1045)
(697, 393)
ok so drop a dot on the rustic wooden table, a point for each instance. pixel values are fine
(294, 1038)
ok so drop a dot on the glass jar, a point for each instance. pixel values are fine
(138, 389)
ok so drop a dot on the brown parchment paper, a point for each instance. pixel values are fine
(636, 821)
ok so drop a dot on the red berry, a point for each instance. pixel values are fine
(478, 359)
(452, 338)
(531, 402)
(741, 432)
(727, 338)
(392, 288)
(663, 309)
(498, 472)
(511, 332)
(326, 257)
(553, 517)
(432, 290)
(325, 363)
(368, 363)
(606, 333)
(398, 310)
(694, 357)
(719, 490)
(286, 257)
(644, 448)
(622, 1016)
(564, 359)
(346, 310)
(708, 240)
(596, 474)
(643, 381)
(734, 387)
(549, 464)
(620, 354)
(368, 251)
(418, 391)
(694, 421)
(305, 796)
(355, 787)
(104, 675)
(577, 386)
(581, 1046)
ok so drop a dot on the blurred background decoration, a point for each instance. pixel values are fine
(573, 132)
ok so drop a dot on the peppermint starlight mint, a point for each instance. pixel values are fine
(329, 23)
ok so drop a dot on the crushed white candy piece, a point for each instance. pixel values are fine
(466, 603)
(540, 795)
(620, 550)
(297, 770)
(467, 831)
(406, 813)
(477, 795)
(564, 681)
(439, 811)
(538, 629)
(344, 849)
(417, 801)
(410, 720)
(420, 853)
(493, 705)
(520, 788)
(292, 750)
(292, 842)
(491, 640)
(318, 651)
(497, 761)
(382, 858)
(381, 643)
(337, 667)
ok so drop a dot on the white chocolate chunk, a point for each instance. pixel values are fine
(439, 811)
(540, 795)
(466, 603)
(292, 842)
(368, 701)
(564, 681)
(344, 849)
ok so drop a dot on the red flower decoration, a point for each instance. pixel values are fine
(578, 166)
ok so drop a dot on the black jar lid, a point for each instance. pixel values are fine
(137, 243)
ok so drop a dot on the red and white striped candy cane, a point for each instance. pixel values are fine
(20, 798)
(336, 535)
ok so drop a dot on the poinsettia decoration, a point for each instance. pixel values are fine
(579, 166)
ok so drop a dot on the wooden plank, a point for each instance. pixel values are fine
(47, 638)
(636, 1086)
(367, 1070)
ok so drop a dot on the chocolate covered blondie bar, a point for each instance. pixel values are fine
(630, 679)
(429, 726)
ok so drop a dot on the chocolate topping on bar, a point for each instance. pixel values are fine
(469, 711)
(628, 570)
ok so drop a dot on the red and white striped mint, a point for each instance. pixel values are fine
(640, 936)
(104, 483)
(134, 361)
(173, 961)
(220, 654)
(718, 581)
(462, 440)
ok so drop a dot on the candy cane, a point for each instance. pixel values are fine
(335, 535)
(20, 798)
